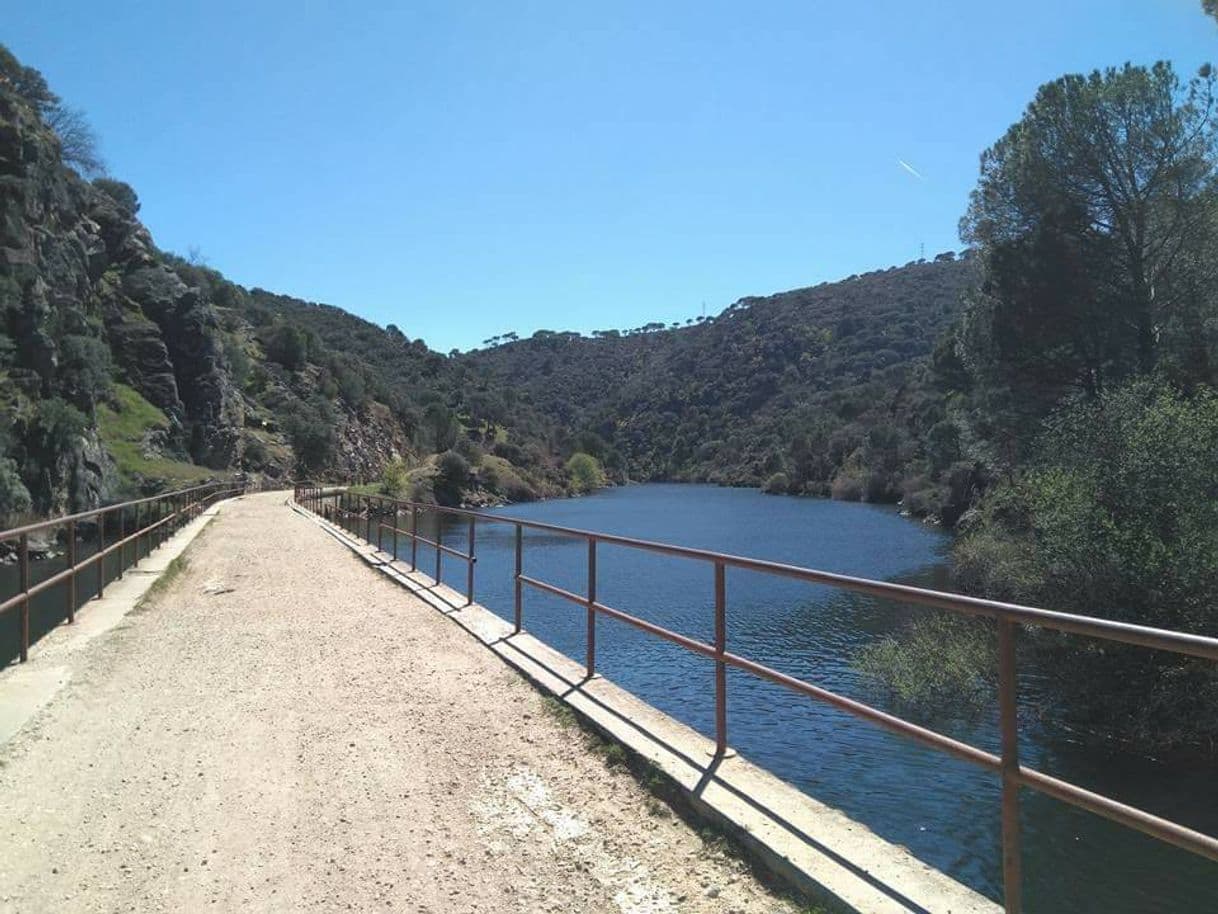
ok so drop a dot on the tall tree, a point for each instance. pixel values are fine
(1095, 218)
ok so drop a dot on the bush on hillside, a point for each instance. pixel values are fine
(395, 481)
(585, 472)
(311, 428)
(14, 496)
(122, 193)
(451, 478)
(1108, 522)
(778, 484)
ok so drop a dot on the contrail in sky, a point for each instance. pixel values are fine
(909, 168)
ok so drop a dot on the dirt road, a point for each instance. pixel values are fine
(280, 729)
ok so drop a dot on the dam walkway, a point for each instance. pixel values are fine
(244, 701)
(276, 728)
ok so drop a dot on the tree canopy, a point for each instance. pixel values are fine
(1094, 218)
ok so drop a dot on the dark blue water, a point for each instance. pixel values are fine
(944, 811)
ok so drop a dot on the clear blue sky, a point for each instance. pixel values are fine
(465, 169)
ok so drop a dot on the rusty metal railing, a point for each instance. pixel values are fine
(142, 525)
(1007, 616)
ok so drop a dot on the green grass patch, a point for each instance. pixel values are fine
(123, 427)
(559, 712)
(172, 572)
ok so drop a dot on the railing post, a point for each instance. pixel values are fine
(101, 558)
(469, 573)
(519, 571)
(414, 537)
(1012, 877)
(368, 519)
(23, 556)
(72, 575)
(720, 666)
(122, 541)
(395, 531)
(591, 638)
(439, 551)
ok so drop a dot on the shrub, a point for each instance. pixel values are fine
(452, 476)
(395, 481)
(942, 662)
(14, 496)
(84, 369)
(504, 479)
(847, 486)
(122, 193)
(239, 364)
(288, 345)
(778, 484)
(312, 430)
(256, 453)
(470, 450)
(586, 473)
(1109, 522)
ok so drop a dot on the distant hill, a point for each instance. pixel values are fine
(827, 386)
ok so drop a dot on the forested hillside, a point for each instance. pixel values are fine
(824, 390)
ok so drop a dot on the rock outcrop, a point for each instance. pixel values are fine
(76, 264)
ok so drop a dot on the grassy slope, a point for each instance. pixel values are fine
(123, 430)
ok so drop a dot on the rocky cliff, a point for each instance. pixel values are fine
(116, 368)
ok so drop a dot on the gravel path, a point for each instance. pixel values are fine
(282, 730)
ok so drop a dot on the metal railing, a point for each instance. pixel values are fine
(334, 504)
(139, 526)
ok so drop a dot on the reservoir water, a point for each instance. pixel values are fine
(945, 811)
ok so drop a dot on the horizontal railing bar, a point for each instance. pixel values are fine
(690, 644)
(896, 724)
(51, 581)
(888, 721)
(85, 515)
(422, 539)
(12, 602)
(59, 577)
(1091, 626)
(556, 591)
(1140, 820)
